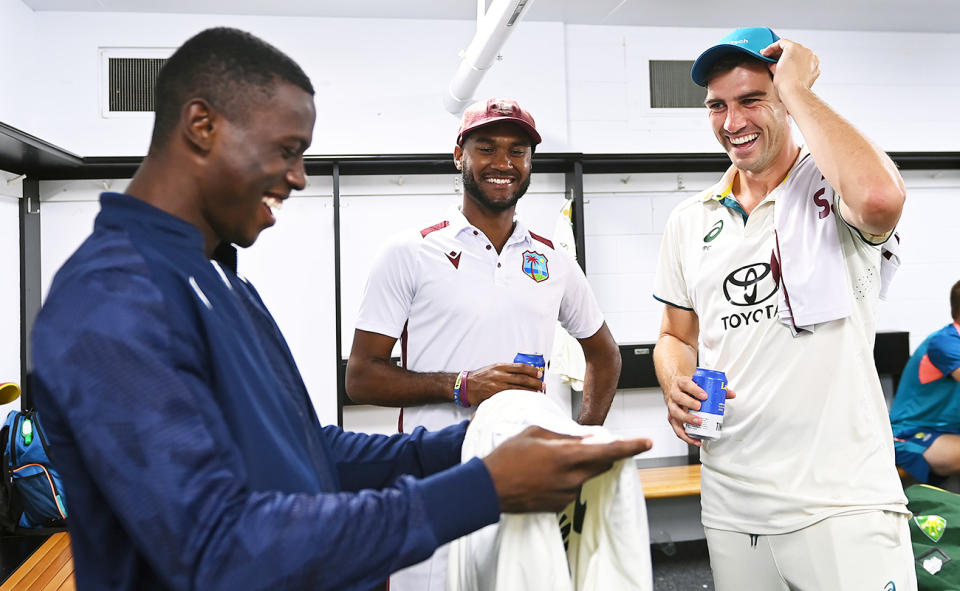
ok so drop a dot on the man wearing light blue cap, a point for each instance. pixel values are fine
(773, 276)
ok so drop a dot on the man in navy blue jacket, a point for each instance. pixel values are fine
(191, 452)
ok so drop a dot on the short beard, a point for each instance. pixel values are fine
(472, 188)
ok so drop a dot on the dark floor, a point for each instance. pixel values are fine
(14, 550)
(683, 566)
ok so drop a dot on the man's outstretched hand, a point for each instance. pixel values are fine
(539, 470)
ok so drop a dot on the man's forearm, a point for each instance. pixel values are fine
(599, 388)
(602, 356)
(383, 383)
(672, 357)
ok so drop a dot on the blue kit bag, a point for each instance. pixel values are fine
(32, 487)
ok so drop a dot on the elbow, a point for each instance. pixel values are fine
(880, 205)
(882, 208)
(616, 364)
(354, 383)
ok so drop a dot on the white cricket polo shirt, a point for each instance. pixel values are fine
(456, 304)
(807, 435)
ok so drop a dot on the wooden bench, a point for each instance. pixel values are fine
(670, 481)
(50, 568)
(672, 495)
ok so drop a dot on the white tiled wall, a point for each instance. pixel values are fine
(380, 81)
(10, 193)
(866, 76)
(930, 225)
(17, 34)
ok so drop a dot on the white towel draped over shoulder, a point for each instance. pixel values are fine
(807, 256)
(814, 286)
(605, 530)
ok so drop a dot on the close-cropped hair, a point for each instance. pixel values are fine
(729, 62)
(955, 301)
(228, 68)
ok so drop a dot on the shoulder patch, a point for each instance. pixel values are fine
(434, 228)
(539, 238)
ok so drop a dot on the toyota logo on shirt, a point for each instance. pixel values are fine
(750, 285)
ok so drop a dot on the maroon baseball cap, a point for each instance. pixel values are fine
(496, 110)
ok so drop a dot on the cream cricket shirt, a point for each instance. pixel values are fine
(458, 305)
(602, 542)
(807, 436)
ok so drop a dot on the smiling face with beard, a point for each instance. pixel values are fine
(495, 161)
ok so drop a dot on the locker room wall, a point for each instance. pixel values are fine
(379, 81)
(17, 25)
(10, 193)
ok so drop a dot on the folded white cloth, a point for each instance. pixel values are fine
(605, 530)
(814, 286)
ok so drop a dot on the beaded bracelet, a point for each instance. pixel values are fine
(460, 390)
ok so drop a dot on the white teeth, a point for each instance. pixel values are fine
(744, 139)
(498, 181)
(272, 202)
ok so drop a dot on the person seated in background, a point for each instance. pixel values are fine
(925, 414)
(190, 449)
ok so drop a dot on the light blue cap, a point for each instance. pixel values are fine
(748, 40)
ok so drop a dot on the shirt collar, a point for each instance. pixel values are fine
(120, 209)
(724, 187)
(459, 223)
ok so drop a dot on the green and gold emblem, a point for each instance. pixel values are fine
(932, 526)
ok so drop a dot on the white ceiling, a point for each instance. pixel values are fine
(932, 16)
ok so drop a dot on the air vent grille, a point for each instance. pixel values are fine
(671, 86)
(132, 81)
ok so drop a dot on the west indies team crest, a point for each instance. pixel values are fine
(535, 266)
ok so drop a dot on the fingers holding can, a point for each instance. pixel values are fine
(714, 383)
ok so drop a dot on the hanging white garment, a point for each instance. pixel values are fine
(567, 359)
(604, 530)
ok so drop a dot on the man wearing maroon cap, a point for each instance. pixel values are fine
(469, 292)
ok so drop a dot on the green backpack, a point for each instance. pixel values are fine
(935, 533)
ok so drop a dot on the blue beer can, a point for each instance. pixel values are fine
(714, 383)
(534, 359)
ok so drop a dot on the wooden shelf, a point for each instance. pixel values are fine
(669, 481)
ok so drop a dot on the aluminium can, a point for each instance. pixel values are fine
(534, 359)
(714, 383)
